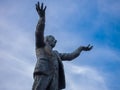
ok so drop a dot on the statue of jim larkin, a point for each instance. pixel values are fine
(49, 71)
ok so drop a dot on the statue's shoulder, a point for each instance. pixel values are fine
(39, 49)
(55, 51)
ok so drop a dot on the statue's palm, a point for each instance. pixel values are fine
(40, 10)
(87, 48)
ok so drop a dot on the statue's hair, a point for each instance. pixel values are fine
(48, 36)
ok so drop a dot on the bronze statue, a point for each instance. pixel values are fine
(49, 72)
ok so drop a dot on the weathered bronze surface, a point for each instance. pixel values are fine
(49, 71)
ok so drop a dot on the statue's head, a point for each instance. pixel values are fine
(51, 40)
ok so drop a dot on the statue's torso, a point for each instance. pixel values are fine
(52, 65)
(47, 60)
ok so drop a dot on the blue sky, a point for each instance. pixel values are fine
(73, 23)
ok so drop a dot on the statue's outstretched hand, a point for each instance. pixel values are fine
(87, 48)
(40, 10)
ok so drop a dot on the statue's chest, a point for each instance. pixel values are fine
(54, 60)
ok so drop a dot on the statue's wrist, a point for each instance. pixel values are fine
(42, 19)
(42, 15)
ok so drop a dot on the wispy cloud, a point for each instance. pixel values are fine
(16, 53)
(84, 78)
(73, 23)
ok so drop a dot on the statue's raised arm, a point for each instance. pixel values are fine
(49, 70)
(39, 34)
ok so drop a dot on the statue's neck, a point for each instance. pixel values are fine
(48, 49)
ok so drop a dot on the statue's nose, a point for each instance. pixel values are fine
(55, 41)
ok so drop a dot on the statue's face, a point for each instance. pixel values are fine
(51, 41)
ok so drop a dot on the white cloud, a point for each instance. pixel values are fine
(84, 78)
(16, 72)
(17, 47)
(16, 54)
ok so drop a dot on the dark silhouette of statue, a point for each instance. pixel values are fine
(49, 71)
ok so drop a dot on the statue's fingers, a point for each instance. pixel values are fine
(36, 7)
(88, 45)
(91, 47)
(45, 8)
(38, 3)
(42, 6)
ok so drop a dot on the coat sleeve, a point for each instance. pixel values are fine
(39, 33)
(70, 56)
